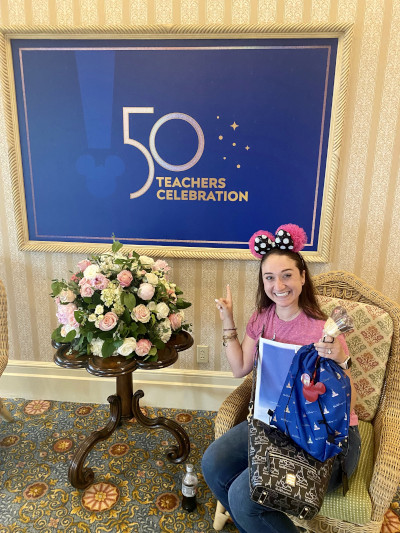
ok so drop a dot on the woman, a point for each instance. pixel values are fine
(286, 311)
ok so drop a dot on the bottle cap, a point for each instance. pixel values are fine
(189, 468)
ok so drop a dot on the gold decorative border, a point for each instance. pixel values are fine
(343, 32)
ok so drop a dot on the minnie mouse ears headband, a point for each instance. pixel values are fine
(287, 237)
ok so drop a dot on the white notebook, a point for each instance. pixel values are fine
(273, 365)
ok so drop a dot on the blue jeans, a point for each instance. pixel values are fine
(225, 469)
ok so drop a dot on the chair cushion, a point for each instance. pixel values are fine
(369, 346)
(356, 506)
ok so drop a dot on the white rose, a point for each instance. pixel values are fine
(162, 310)
(146, 261)
(91, 271)
(152, 279)
(96, 346)
(128, 347)
(164, 330)
(66, 296)
(92, 318)
(152, 306)
(66, 329)
(99, 310)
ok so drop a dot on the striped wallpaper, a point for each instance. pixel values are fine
(367, 222)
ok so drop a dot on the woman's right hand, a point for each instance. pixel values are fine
(225, 308)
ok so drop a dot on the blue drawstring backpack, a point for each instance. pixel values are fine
(320, 423)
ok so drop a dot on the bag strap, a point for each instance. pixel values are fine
(253, 387)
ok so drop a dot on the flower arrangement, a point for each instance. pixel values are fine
(118, 303)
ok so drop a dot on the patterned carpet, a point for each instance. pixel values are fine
(135, 489)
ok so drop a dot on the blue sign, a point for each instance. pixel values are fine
(173, 142)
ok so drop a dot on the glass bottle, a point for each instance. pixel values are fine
(189, 489)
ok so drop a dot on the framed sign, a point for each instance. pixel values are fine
(179, 141)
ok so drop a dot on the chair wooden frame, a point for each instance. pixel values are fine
(386, 424)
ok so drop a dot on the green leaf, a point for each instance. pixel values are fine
(153, 350)
(181, 304)
(116, 245)
(159, 344)
(129, 300)
(108, 348)
(57, 287)
(87, 300)
(151, 358)
(126, 317)
(70, 336)
(89, 336)
(141, 330)
(79, 316)
(56, 335)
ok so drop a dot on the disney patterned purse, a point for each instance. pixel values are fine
(282, 475)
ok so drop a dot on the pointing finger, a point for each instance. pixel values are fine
(228, 293)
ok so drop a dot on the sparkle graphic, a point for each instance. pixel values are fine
(238, 144)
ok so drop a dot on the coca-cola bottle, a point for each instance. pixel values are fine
(189, 489)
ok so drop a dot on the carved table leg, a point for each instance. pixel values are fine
(79, 477)
(175, 454)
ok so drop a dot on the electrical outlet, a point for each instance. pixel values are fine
(202, 354)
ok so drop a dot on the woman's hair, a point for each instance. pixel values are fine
(307, 299)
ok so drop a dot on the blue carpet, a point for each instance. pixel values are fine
(135, 489)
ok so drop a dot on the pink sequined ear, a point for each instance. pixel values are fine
(261, 242)
(290, 237)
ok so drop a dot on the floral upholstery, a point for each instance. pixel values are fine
(369, 345)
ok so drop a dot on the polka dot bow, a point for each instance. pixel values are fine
(287, 237)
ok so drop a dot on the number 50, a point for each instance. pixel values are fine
(152, 143)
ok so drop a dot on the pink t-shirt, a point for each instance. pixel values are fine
(301, 330)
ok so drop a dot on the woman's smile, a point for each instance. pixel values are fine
(283, 282)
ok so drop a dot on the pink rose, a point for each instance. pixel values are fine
(172, 295)
(66, 296)
(75, 278)
(141, 313)
(125, 278)
(108, 322)
(99, 282)
(146, 291)
(176, 321)
(162, 265)
(143, 346)
(86, 290)
(82, 265)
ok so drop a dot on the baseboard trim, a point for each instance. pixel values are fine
(189, 389)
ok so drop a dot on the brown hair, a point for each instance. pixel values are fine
(307, 299)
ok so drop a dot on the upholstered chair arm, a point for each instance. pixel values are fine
(235, 407)
(386, 474)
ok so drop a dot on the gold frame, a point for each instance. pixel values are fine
(343, 32)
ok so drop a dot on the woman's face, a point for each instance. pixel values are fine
(283, 282)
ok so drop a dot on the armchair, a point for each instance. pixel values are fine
(375, 349)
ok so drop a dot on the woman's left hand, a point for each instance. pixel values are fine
(331, 349)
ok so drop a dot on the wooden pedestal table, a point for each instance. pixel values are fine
(124, 405)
